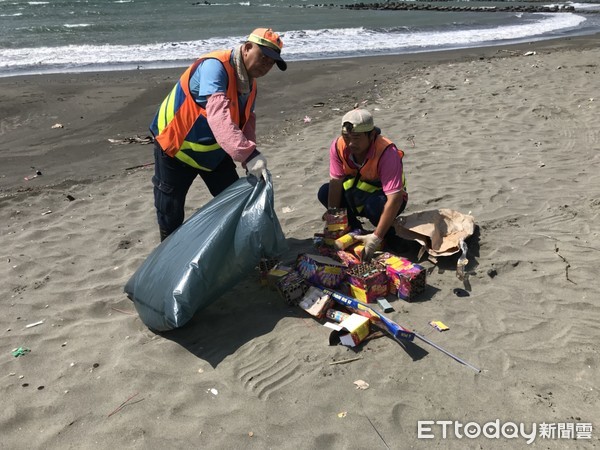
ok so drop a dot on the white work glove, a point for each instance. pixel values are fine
(372, 243)
(257, 166)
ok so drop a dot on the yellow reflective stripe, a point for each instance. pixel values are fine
(199, 147)
(166, 113)
(362, 185)
(188, 160)
(367, 187)
(348, 183)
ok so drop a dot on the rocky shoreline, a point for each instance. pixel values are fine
(429, 6)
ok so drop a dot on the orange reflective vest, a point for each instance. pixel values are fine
(180, 126)
(359, 184)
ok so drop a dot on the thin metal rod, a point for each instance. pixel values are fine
(446, 352)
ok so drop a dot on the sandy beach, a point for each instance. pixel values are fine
(509, 135)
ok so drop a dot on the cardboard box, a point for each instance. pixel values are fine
(316, 302)
(350, 332)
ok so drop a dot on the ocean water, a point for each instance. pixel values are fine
(89, 35)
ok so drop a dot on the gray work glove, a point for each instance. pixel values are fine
(257, 166)
(372, 243)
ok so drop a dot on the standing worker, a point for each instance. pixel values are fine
(366, 178)
(207, 122)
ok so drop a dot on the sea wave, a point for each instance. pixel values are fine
(299, 45)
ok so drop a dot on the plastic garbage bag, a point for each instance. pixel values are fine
(215, 248)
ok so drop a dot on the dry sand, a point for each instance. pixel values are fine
(513, 140)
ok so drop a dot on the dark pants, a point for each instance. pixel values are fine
(172, 180)
(373, 208)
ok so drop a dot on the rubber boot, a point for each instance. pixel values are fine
(163, 234)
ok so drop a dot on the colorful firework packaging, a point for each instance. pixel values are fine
(406, 279)
(320, 270)
(292, 288)
(367, 282)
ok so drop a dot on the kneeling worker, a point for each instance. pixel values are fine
(366, 178)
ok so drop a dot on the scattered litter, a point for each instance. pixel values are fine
(133, 140)
(307, 119)
(342, 414)
(438, 325)
(529, 54)
(70, 197)
(384, 305)
(35, 324)
(460, 292)
(213, 391)
(250, 433)
(131, 313)
(31, 177)
(140, 166)
(200, 370)
(122, 405)
(286, 209)
(58, 125)
(45, 213)
(318, 105)
(362, 385)
(345, 361)
(21, 351)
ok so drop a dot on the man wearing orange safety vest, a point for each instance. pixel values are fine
(366, 178)
(207, 122)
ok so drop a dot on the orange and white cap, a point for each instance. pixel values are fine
(270, 43)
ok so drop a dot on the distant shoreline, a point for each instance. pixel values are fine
(581, 36)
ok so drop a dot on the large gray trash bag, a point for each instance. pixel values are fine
(216, 247)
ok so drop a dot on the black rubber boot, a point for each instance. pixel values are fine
(163, 234)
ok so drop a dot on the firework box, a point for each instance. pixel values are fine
(292, 288)
(276, 273)
(316, 302)
(320, 270)
(367, 282)
(406, 279)
(345, 241)
(348, 259)
(349, 332)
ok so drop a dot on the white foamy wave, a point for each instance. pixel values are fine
(325, 42)
(585, 6)
(77, 25)
(299, 45)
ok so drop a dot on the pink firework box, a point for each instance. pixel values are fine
(406, 279)
(367, 282)
(348, 259)
(320, 270)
